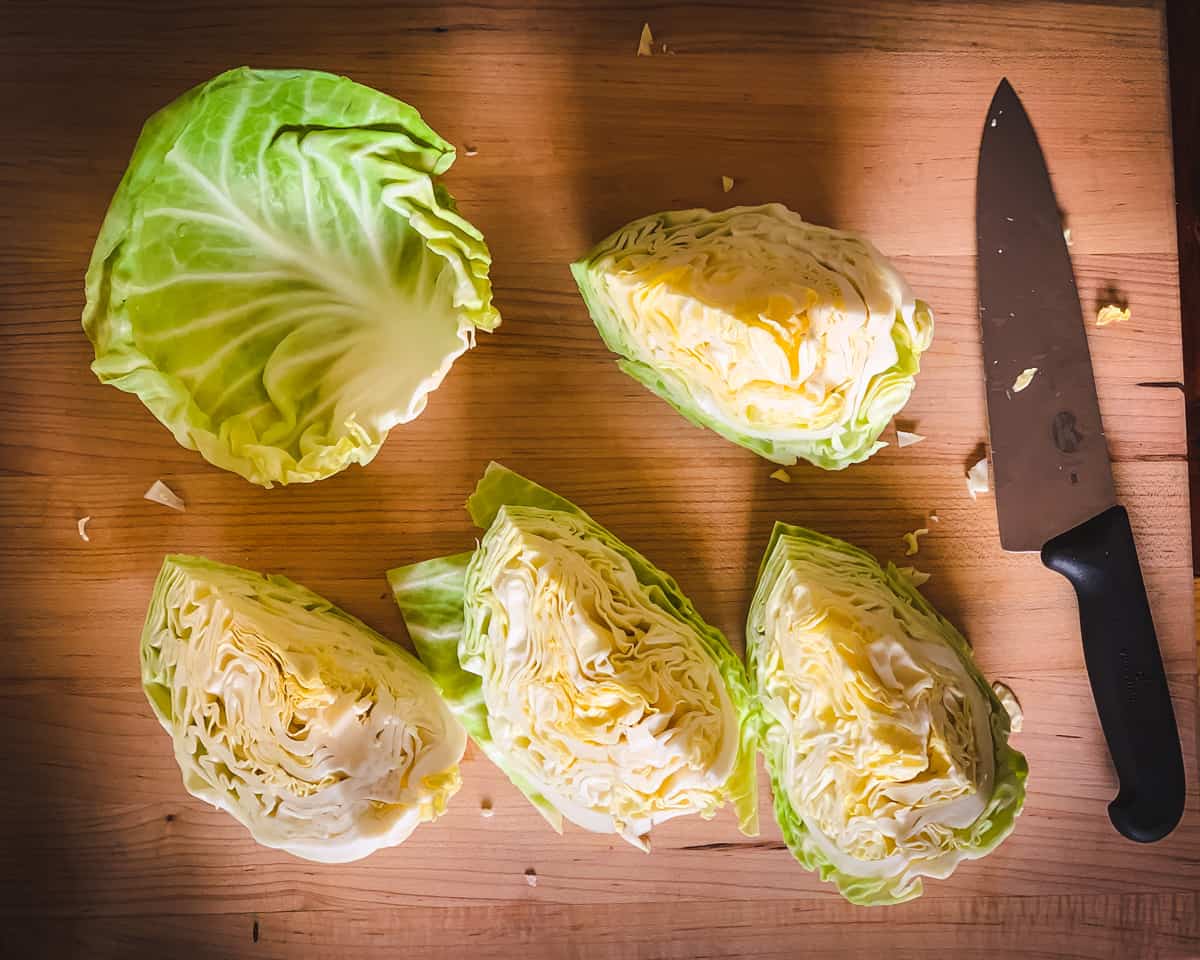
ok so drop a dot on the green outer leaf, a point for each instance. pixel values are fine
(501, 487)
(215, 220)
(886, 396)
(1008, 794)
(431, 597)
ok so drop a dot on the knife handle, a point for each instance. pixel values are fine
(1126, 672)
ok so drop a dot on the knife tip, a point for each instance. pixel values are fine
(1004, 90)
(1005, 97)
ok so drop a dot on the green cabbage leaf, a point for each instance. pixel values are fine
(280, 278)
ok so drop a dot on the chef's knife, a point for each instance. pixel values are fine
(1053, 480)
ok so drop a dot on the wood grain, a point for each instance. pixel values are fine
(863, 115)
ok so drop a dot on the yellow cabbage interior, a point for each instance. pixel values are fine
(301, 723)
(776, 325)
(604, 701)
(885, 737)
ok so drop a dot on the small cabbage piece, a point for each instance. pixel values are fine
(581, 669)
(318, 735)
(887, 749)
(280, 278)
(979, 478)
(792, 340)
(1024, 379)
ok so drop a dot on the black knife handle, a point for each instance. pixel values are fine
(1126, 672)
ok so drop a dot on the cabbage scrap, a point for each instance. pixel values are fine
(318, 735)
(888, 750)
(160, 493)
(979, 478)
(1024, 379)
(911, 540)
(1111, 313)
(581, 669)
(792, 340)
(280, 278)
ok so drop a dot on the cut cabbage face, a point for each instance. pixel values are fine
(581, 669)
(888, 751)
(792, 340)
(320, 736)
(280, 277)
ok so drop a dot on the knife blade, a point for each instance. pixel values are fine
(1053, 479)
(1049, 457)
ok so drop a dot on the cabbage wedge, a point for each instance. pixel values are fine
(580, 668)
(280, 278)
(888, 750)
(317, 734)
(793, 340)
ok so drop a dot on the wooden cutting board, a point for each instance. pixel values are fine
(859, 114)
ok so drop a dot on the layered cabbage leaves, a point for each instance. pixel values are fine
(581, 669)
(320, 736)
(888, 750)
(790, 339)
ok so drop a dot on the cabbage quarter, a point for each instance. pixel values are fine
(317, 734)
(888, 750)
(793, 340)
(581, 669)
